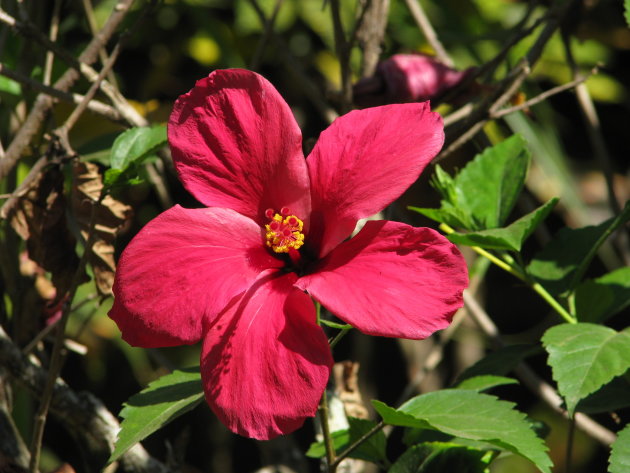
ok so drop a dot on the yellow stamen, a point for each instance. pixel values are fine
(284, 233)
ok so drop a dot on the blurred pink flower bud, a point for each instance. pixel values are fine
(407, 78)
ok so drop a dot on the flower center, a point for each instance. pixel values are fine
(284, 231)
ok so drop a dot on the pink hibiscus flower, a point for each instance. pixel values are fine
(237, 275)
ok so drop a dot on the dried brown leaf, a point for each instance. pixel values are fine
(39, 218)
(110, 217)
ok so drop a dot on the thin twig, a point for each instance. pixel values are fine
(369, 32)
(309, 88)
(78, 111)
(264, 39)
(54, 30)
(532, 380)
(93, 105)
(83, 415)
(506, 88)
(43, 103)
(352, 447)
(89, 14)
(343, 47)
(544, 95)
(57, 356)
(24, 186)
(593, 127)
(417, 12)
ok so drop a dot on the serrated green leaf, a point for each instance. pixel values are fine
(373, 449)
(619, 461)
(438, 457)
(155, 406)
(561, 263)
(482, 383)
(499, 362)
(490, 184)
(583, 357)
(448, 214)
(511, 237)
(135, 144)
(598, 299)
(471, 415)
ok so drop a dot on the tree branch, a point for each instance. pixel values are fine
(81, 413)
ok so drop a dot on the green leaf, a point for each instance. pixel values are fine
(155, 406)
(373, 449)
(453, 216)
(98, 149)
(619, 461)
(560, 265)
(483, 194)
(584, 357)
(610, 397)
(487, 188)
(438, 457)
(499, 362)
(471, 415)
(135, 144)
(340, 439)
(9, 86)
(511, 237)
(598, 299)
(482, 383)
(626, 11)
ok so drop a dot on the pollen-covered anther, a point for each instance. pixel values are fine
(284, 231)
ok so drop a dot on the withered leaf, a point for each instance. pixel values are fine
(39, 217)
(110, 216)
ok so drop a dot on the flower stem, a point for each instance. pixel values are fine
(339, 336)
(328, 440)
(511, 268)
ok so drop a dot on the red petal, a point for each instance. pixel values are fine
(236, 145)
(363, 162)
(265, 363)
(391, 280)
(184, 266)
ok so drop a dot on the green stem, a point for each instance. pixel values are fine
(518, 273)
(357, 443)
(339, 336)
(328, 440)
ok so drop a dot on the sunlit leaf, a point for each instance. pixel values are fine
(490, 184)
(484, 382)
(511, 237)
(471, 415)
(162, 401)
(135, 144)
(584, 357)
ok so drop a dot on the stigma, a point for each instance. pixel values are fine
(284, 231)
